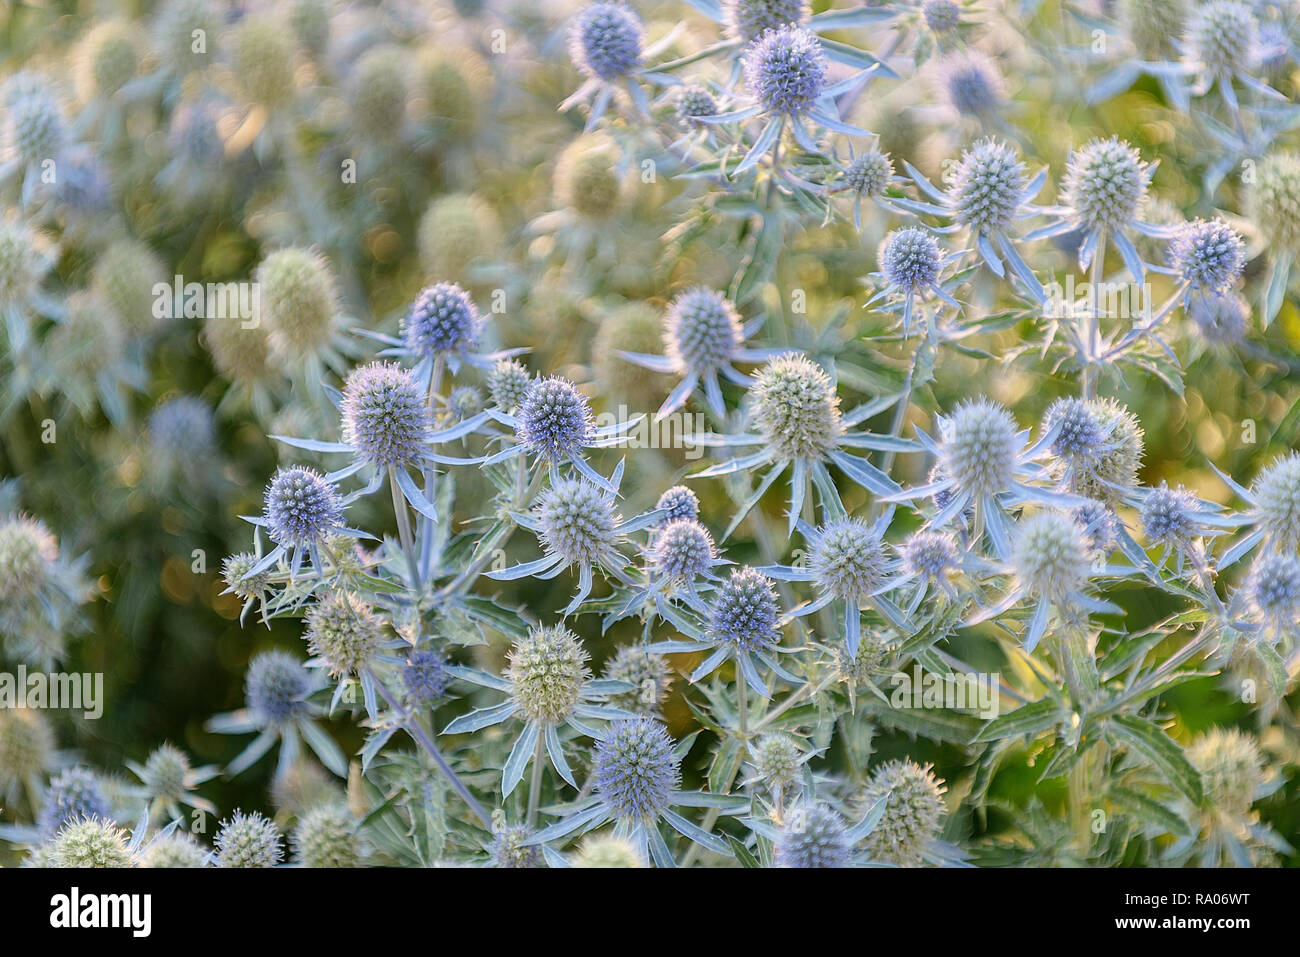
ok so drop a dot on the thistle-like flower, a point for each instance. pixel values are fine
(1104, 192)
(607, 45)
(795, 412)
(972, 84)
(1208, 256)
(548, 686)
(277, 688)
(703, 336)
(75, 793)
(1097, 447)
(248, 840)
(908, 832)
(326, 836)
(169, 782)
(813, 836)
(1273, 515)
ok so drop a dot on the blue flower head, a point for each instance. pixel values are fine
(972, 84)
(702, 330)
(1209, 255)
(555, 419)
(301, 507)
(634, 769)
(786, 70)
(605, 40)
(909, 258)
(987, 188)
(941, 16)
(509, 850)
(74, 794)
(576, 520)
(848, 560)
(425, 676)
(385, 416)
(1105, 184)
(182, 430)
(869, 173)
(1168, 515)
(443, 318)
(749, 19)
(1273, 589)
(813, 836)
(1220, 319)
(1223, 38)
(683, 549)
(275, 686)
(744, 611)
(692, 102)
(680, 502)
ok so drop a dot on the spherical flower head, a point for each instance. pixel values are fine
(972, 84)
(177, 849)
(110, 57)
(587, 178)
(1101, 470)
(680, 502)
(702, 330)
(443, 319)
(813, 836)
(123, 276)
(298, 302)
(607, 850)
(869, 173)
(248, 840)
(748, 20)
(1100, 525)
(345, 633)
(1082, 437)
(1051, 556)
(605, 41)
(860, 667)
(1208, 255)
(509, 850)
(275, 687)
(233, 571)
(74, 794)
(1154, 26)
(34, 130)
(1223, 38)
(909, 258)
(648, 674)
(682, 550)
(547, 670)
(555, 419)
(634, 769)
(979, 448)
(301, 507)
(1105, 184)
(89, 842)
(508, 381)
(262, 58)
(1231, 767)
(326, 836)
(1167, 515)
(931, 555)
(576, 521)
(166, 773)
(463, 402)
(173, 36)
(786, 70)
(941, 16)
(1273, 589)
(777, 760)
(379, 91)
(1221, 320)
(425, 677)
(1276, 493)
(182, 431)
(988, 185)
(456, 230)
(385, 417)
(796, 408)
(28, 553)
(692, 102)
(26, 746)
(744, 611)
(913, 810)
(848, 560)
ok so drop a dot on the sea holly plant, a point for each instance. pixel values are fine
(393, 533)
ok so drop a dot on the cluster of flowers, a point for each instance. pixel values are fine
(912, 521)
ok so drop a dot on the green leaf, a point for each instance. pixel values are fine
(1161, 750)
(1029, 719)
(1152, 812)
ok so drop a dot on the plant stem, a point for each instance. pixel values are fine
(535, 782)
(404, 529)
